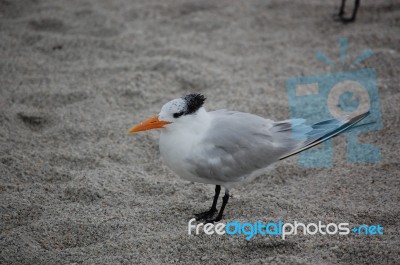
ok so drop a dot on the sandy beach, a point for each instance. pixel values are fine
(76, 188)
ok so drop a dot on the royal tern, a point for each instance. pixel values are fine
(227, 148)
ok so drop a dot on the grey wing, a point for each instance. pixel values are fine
(239, 144)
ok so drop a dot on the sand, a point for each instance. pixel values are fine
(75, 188)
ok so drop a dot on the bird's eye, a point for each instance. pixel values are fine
(178, 114)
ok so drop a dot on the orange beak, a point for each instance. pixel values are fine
(152, 123)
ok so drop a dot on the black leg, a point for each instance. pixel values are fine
(356, 5)
(341, 11)
(213, 209)
(221, 212)
(341, 17)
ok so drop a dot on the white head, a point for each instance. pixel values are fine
(174, 111)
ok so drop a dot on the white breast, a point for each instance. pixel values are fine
(179, 140)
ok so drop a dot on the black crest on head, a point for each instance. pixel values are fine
(194, 102)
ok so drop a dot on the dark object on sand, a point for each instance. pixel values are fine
(340, 15)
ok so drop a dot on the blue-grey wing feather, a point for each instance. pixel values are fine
(239, 144)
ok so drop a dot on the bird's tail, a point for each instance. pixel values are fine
(323, 131)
